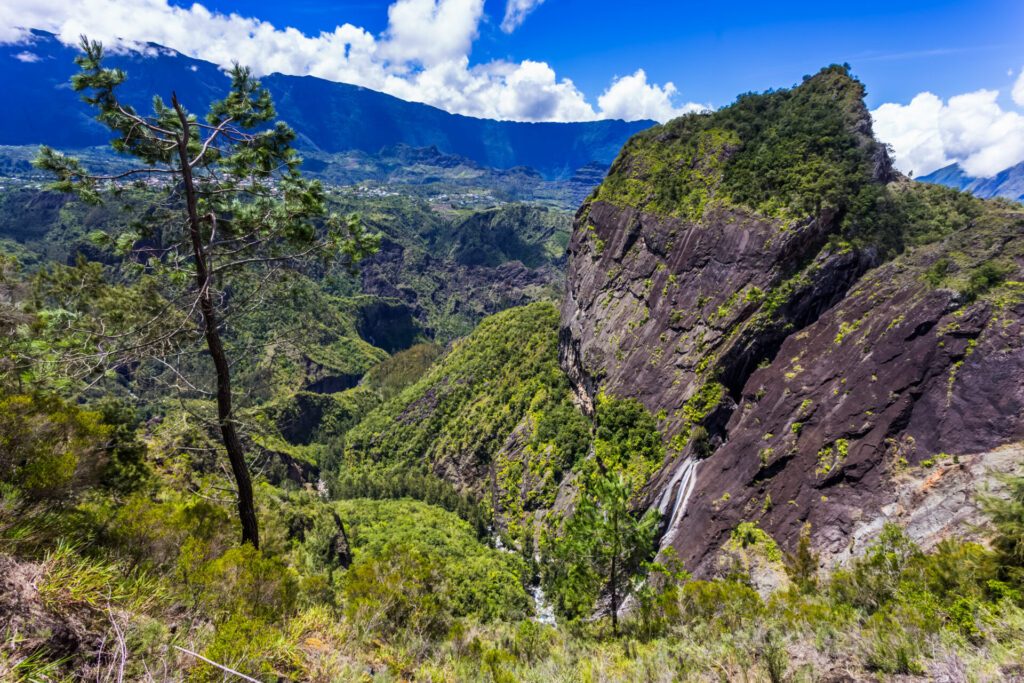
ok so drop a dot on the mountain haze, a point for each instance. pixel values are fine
(1008, 183)
(328, 117)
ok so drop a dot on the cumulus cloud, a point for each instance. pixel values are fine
(422, 55)
(1018, 89)
(972, 130)
(27, 57)
(431, 31)
(632, 98)
(515, 13)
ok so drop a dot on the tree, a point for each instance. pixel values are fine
(603, 546)
(234, 202)
(1006, 513)
(802, 564)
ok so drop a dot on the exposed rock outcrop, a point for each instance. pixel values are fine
(806, 325)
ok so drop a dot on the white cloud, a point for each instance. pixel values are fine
(632, 98)
(422, 55)
(27, 57)
(431, 31)
(515, 13)
(913, 131)
(1018, 89)
(972, 130)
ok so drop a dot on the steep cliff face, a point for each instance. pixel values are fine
(805, 324)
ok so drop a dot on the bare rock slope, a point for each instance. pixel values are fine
(808, 326)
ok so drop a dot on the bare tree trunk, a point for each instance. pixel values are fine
(233, 445)
(614, 577)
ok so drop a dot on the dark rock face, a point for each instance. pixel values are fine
(795, 374)
(892, 376)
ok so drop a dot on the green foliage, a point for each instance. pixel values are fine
(50, 449)
(726, 604)
(875, 579)
(512, 354)
(785, 153)
(626, 439)
(383, 482)
(1007, 515)
(404, 592)
(802, 563)
(562, 427)
(889, 647)
(449, 563)
(658, 598)
(601, 549)
(471, 400)
(245, 581)
(402, 369)
(243, 643)
(985, 277)
(71, 581)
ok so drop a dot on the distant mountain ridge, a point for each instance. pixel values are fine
(1008, 183)
(328, 116)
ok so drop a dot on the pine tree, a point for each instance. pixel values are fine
(802, 563)
(603, 547)
(239, 204)
(1007, 515)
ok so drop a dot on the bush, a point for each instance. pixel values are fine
(245, 582)
(875, 579)
(657, 600)
(49, 449)
(403, 592)
(889, 648)
(478, 581)
(245, 644)
(723, 604)
(1007, 515)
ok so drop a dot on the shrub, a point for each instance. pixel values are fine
(802, 564)
(245, 644)
(1007, 515)
(773, 654)
(403, 592)
(985, 277)
(874, 579)
(657, 600)
(48, 448)
(245, 582)
(723, 604)
(888, 647)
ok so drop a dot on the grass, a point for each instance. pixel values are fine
(71, 581)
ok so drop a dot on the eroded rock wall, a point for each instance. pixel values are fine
(799, 367)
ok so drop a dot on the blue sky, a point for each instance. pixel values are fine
(943, 77)
(712, 51)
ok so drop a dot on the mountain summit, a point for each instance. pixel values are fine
(808, 324)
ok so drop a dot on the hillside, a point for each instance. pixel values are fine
(329, 117)
(809, 325)
(756, 413)
(1008, 183)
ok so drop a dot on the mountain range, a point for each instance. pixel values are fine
(329, 117)
(1008, 183)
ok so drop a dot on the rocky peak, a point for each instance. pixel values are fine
(758, 278)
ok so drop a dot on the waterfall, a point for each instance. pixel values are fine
(683, 481)
(545, 611)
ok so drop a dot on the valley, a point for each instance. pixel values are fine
(739, 401)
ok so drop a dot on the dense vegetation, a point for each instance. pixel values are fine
(787, 154)
(128, 539)
(442, 513)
